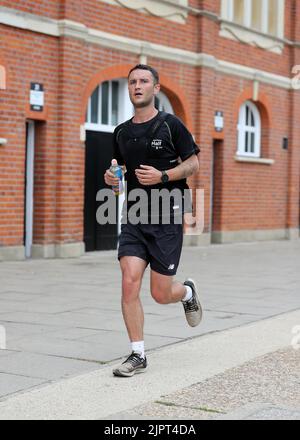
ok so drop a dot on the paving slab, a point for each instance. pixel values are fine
(11, 384)
(43, 367)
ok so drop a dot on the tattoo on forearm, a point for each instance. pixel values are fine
(187, 169)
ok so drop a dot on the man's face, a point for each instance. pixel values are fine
(141, 88)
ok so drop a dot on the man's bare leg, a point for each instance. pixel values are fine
(133, 269)
(165, 290)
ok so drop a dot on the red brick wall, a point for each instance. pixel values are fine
(46, 8)
(251, 196)
(23, 52)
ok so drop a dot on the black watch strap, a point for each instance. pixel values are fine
(164, 177)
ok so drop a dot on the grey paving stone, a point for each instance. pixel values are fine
(73, 333)
(7, 353)
(17, 330)
(41, 366)
(79, 350)
(10, 383)
(17, 296)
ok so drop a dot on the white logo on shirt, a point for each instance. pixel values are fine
(157, 144)
(171, 267)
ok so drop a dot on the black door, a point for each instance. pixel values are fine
(99, 152)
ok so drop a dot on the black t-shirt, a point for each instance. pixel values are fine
(134, 146)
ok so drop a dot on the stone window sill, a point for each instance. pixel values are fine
(257, 160)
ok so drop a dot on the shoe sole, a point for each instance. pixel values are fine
(139, 371)
(198, 302)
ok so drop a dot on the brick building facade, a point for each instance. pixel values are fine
(234, 57)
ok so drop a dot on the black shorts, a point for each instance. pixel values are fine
(159, 245)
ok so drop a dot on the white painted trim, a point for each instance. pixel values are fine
(247, 12)
(253, 74)
(68, 28)
(33, 22)
(29, 188)
(265, 16)
(280, 26)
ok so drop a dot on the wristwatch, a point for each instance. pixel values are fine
(164, 177)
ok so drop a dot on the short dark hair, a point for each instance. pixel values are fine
(146, 67)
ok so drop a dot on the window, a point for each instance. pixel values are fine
(249, 131)
(163, 104)
(266, 16)
(103, 106)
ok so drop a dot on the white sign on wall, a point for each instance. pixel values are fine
(219, 121)
(36, 97)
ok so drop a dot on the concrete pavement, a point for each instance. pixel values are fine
(173, 370)
(62, 317)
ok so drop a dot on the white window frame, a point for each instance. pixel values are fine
(165, 103)
(227, 13)
(124, 108)
(243, 129)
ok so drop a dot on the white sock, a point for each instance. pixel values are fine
(189, 294)
(138, 347)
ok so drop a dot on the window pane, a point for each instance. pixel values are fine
(247, 143)
(273, 16)
(247, 116)
(104, 103)
(257, 14)
(94, 106)
(252, 142)
(252, 119)
(115, 103)
(238, 11)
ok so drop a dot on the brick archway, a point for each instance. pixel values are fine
(262, 103)
(170, 88)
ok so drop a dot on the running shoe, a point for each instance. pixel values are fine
(192, 308)
(135, 363)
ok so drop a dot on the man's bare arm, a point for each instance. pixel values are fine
(147, 175)
(185, 169)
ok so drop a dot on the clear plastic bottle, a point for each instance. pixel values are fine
(117, 172)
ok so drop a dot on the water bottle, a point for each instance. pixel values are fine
(117, 172)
